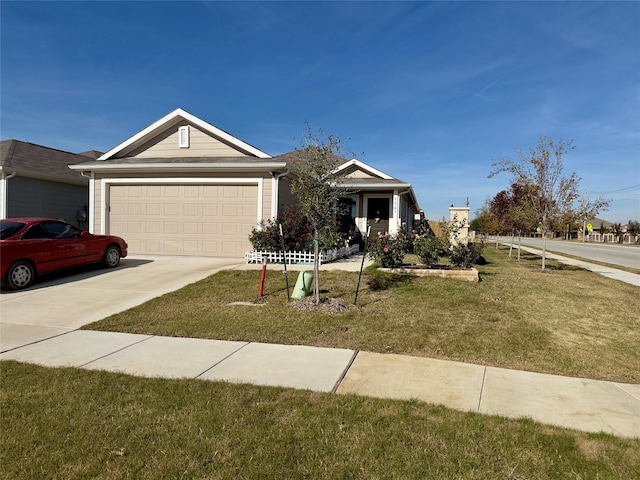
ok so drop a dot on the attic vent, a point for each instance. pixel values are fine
(183, 137)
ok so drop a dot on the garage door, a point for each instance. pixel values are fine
(184, 219)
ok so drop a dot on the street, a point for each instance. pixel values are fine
(615, 254)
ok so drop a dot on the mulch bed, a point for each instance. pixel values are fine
(331, 306)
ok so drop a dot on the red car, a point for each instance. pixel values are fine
(32, 246)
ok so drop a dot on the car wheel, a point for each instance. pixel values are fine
(20, 275)
(111, 257)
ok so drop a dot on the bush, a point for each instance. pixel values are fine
(297, 232)
(430, 248)
(388, 250)
(465, 255)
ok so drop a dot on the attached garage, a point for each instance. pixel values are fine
(179, 219)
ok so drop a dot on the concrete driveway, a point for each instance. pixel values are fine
(65, 302)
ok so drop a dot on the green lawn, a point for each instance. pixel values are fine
(564, 321)
(80, 424)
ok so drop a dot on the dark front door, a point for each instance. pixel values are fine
(378, 215)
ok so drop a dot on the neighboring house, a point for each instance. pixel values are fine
(184, 187)
(35, 181)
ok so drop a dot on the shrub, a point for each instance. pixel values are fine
(297, 232)
(430, 248)
(388, 250)
(465, 255)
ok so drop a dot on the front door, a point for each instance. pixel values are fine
(378, 215)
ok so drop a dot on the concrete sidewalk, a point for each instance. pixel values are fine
(581, 404)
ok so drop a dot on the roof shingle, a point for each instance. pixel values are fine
(28, 159)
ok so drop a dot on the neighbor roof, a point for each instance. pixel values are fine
(35, 161)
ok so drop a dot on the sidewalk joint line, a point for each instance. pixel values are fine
(618, 385)
(484, 376)
(116, 351)
(222, 360)
(40, 340)
(344, 372)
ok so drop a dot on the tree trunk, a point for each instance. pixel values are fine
(316, 266)
(519, 244)
(511, 246)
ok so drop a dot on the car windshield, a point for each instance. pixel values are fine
(7, 229)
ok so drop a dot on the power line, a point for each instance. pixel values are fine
(620, 190)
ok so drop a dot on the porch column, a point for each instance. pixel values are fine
(395, 222)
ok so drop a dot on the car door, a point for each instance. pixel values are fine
(69, 247)
(35, 244)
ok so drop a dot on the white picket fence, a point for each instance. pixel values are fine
(256, 256)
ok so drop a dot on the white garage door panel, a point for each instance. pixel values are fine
(184, 219)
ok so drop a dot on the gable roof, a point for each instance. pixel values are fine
(35, 161)
(358, 165)
(373, 180)
(169, 121)
(299, 157)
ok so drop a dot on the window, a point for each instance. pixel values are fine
(62, 230)
(183, 137)
(35, 232)
(8, 229)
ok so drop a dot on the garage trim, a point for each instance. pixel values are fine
(107, 182)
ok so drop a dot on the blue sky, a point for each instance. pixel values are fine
(431, 93)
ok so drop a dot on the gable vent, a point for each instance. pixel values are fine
(183, 137)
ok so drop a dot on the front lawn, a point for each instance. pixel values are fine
(564, 321)
(81, 424)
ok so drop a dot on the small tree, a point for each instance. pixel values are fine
(551, 193)
(316, 184)
(485, 222)
(587, 210)
(618, 231)
(514, 213)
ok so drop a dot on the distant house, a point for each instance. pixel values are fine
(35, 181)
(182, 186)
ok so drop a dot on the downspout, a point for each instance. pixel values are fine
(90, 214)
(5, 194)
(275, 190)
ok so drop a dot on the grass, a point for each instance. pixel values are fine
(563, 321)
(81, 424)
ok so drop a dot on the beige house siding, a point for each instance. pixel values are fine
(97, 207)
(406, 214)
(359, 174)
(201, 144)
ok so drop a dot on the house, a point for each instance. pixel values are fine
(374, 198)
(182, 186)
(35, 181)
